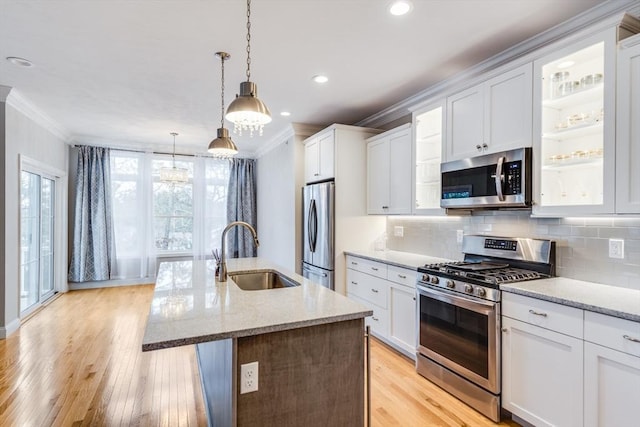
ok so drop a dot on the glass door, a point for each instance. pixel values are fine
(428, 155)
(37, 219)
(576, 119)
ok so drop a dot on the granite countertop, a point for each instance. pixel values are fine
(189, 306)
(397, 258)
(596, 297)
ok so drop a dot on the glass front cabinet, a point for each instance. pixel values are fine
(428, 138)
(575, 127)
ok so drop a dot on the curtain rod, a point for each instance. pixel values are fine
(129, 150)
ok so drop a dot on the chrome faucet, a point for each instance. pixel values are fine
(222, 274)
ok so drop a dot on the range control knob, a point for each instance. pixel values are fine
(468, 289)
(451, 284)
(482, 292)
(435, 280)
(425, 277)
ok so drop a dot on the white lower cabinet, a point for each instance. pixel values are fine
(611, 371)
(612, 387)
(389, 291)
(402, 322)
(563, 366)
(542, 377)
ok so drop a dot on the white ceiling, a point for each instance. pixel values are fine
(126, 73)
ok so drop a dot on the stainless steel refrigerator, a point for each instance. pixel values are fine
(318, 231)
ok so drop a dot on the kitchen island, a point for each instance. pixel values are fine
(308, 342)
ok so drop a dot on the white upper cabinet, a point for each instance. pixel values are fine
(575, 128)
(389, 172)
(428, 126)
(628, 128)
(493, 116)
(575, 161)
(319, 157)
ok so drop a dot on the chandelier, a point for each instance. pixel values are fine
(222, 146)
(174, 175)
(247, 112)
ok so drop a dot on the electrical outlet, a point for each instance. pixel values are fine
(459, 235)
(398, 231)
(616, 248)
(248, 377)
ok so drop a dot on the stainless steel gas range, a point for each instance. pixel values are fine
(459, 314)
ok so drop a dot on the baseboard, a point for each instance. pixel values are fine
(110, 283)
(6, 331)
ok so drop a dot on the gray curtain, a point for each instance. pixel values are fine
(93, 246)
(241, 206)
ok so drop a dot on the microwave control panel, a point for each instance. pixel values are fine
(513, 177)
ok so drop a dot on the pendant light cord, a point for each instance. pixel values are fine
(248, 40)
(222, 107)
(173, 155)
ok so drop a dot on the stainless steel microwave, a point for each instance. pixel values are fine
(500, 180)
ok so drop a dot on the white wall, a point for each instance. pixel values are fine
(280, 178)
(276, 187)
(23, 137)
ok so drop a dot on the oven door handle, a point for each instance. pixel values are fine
(481, 307)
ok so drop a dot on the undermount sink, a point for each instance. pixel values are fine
(259, 280)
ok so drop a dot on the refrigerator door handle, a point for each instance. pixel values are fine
(309, 238)
(313, 236)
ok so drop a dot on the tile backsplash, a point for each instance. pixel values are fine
(582, 244)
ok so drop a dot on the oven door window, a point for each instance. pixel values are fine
(456, 333)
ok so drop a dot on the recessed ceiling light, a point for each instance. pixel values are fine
(400, 7)
(320, 78)
(566, 64)
(19, 61)
(285, 113)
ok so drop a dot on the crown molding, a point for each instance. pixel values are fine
(300, 129)
(4, 93)
(592, 20)
(20, 103)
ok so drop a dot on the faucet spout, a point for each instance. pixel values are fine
(222, 274)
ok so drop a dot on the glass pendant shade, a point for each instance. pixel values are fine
(222, 146)
(174, 175)
(247, 112)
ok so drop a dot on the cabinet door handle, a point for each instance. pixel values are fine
(354, 283)
(375, 291)
(478, 147)
(537, 313)
(505, 330)
(374, 318)
(374, 268)
(402, 276)
(627, 337)
(414, 298)
(484, 145)
(385, 207)
(354, 263)
(316, 174)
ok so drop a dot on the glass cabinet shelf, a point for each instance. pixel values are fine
(573, 162)
(575, 131)
(579, 97)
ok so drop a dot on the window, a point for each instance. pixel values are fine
(155, 219)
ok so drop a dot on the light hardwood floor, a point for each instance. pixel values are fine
(78, 362)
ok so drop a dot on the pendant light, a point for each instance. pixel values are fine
(247, 111)
(174, 175)
(222, 146)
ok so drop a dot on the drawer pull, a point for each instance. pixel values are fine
(538, 313)
(354, 283)
(402, 276)
(627, 337)
(374, 268)
(354, 263)
(374, 291)
(374, 318)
